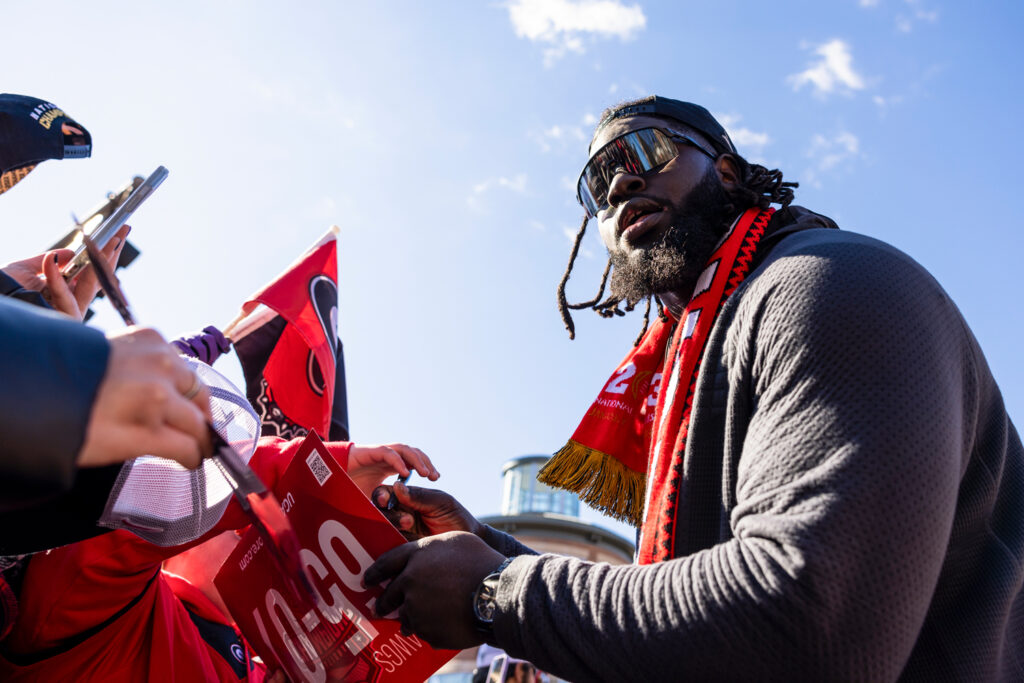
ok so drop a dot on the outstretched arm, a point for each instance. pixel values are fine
(368, 466)
(418, 512)
(42, 274)
(845, 490)
(82, 584)
(74, 399)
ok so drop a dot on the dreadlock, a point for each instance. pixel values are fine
(759, 187)
(563, 302)
(607, 308)
(756, 186)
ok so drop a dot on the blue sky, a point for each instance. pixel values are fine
(444, 139)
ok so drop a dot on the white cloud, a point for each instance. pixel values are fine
(830, 154)
(913, 90)
(833, 152)
(885, 102)
(912, 14)
(749, 142)
(565, 133)
(569, 44)
(918, 13)
(833, 72)
(930, 16)
(561, 137)
(747, 138)
(515, 184)
(628, 89)
(563, 24)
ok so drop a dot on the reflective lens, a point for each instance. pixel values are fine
(636, 152)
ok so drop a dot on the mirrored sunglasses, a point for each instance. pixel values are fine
(636, 152)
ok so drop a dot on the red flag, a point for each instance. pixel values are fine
(287, 341)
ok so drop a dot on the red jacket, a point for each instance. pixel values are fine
(101, 609)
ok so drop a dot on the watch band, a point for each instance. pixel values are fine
(483, 601)
(501, 567)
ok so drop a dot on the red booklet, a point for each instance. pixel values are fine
(341, 533)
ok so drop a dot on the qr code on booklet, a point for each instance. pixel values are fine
(318, 467)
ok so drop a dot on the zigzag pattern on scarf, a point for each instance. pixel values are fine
(665, 495)
(747, 252)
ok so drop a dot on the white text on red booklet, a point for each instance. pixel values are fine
(341, 533)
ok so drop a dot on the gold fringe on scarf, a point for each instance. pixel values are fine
(600, 480)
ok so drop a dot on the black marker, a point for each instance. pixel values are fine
(402, 479)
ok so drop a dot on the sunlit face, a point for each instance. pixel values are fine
(660, 227)
(639, 207)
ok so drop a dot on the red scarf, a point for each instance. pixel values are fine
(633, 438)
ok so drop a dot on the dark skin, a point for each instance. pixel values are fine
(639, 209)
(423, 512)
(434, 576)
(435, 573)
(669, 185)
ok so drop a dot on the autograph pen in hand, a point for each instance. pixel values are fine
(392, 501)
(258, 502)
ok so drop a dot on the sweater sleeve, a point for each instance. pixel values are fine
(505, 544)
(858, 382)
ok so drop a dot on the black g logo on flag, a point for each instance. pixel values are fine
(324, 295)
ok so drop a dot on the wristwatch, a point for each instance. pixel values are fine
(484, 604)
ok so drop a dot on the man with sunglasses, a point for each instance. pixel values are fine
(826, 483)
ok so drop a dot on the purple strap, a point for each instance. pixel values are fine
(207, 346)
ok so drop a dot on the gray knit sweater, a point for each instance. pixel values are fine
(852, 505)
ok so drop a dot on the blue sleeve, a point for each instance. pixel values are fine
(12, 288)
(52, 368)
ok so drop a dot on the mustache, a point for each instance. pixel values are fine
(673, 262)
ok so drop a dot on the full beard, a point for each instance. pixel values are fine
(673, 263)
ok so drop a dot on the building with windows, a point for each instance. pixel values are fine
(547, 520)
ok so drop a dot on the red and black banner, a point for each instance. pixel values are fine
(287, 343)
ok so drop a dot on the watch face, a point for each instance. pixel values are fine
(483, 603)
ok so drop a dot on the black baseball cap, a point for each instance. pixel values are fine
(693, 115)
(34, 130)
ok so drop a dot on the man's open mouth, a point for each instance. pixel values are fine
(637, 218)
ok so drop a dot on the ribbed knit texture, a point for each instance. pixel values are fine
(852, 506)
